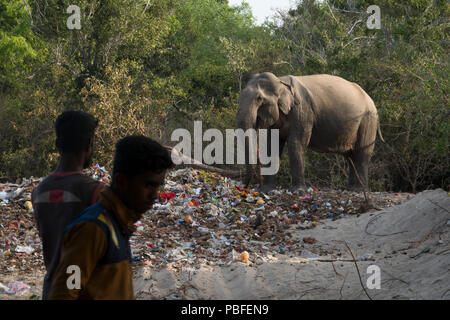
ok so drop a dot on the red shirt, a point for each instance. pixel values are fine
(57, 200)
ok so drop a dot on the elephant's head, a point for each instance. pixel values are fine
(260, 104)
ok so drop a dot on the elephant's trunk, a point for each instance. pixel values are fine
(246, 119)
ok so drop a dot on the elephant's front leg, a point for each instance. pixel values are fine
(270, 180)
(296, 148)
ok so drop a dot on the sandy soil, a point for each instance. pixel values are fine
(409, 243)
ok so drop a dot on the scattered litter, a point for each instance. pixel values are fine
(309, 240)
(199, 217)
(17, 287)
(244, 257)
(309, 255)
(27, 205)
(366, 257)
(26, 250)
(99, 173)
(426, 250)
(284, 250)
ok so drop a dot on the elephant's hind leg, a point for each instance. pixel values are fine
(362, 153)
(358, 160)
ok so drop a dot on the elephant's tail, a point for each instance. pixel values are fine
(379, 132)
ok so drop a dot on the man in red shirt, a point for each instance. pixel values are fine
(65, 193)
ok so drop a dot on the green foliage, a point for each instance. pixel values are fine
(17, 41)
(198, 47)
(121, 109)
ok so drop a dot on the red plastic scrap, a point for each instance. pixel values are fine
(193, 203)
(167, 195)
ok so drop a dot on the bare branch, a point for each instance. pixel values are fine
(358, 38)
(357, 269)
(29, 11)
(331, 12)
(351, 29)
(146, 5)
(283, 62)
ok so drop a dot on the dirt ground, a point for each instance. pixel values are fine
(408, 242)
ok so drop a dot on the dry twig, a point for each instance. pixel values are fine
(379, 235)
(437, 205)
(369, 204)
(357, 269)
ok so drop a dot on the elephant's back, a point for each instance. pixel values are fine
(332, 84)
(329, 90)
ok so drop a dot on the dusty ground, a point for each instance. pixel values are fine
(393, 239)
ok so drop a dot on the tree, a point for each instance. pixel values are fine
(17, 44)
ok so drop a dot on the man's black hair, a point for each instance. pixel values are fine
(137, 154)
(74, 130)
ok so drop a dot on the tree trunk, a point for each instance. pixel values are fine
(192, 163)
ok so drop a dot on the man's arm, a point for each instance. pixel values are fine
(35, 213)
(83, 246)
(96, 192)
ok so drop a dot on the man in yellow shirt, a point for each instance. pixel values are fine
(95, 255)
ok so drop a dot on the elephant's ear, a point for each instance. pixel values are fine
(286, 97)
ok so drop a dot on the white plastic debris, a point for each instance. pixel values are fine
(10, 195)
(365, 257)
(203, 230)
(273, 214)
(15, 287)
(24, 249)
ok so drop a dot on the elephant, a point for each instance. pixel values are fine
(324, 113)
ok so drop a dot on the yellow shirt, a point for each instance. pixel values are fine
(96, 246)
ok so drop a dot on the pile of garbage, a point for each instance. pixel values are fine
(201, 217)
(20, 245)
